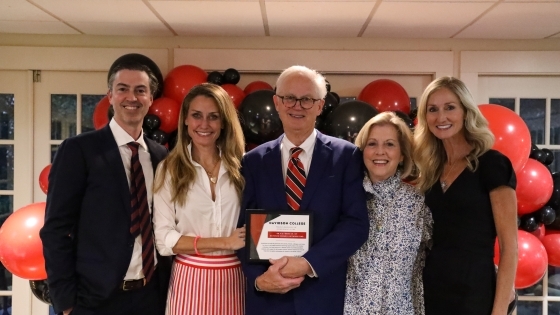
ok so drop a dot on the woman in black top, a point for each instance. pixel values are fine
(470, 190)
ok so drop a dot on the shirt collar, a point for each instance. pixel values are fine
(122, 137)
(189, 150)
(307, 145)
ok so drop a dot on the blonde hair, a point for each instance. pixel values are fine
(178, 163)
(404, 138)
(429, 153)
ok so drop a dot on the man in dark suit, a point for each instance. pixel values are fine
(332, 191)
(94, 263)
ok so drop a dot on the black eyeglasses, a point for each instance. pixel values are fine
(304, 102)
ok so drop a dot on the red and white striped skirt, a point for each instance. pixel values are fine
(206, 285)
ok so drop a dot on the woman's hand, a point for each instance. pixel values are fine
(237, 239)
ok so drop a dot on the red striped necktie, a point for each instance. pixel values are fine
(140, 220)
(295, 179)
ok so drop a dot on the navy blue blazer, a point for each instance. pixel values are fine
(335, 196)
(86, 239)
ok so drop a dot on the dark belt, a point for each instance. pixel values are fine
(129, 285)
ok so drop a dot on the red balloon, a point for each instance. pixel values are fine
(257, 86)
(552, 244)
(540, 232)
(21, 250)
(167, 110)
(513, 138)
(101, 113)
(386, 95)
(237, 95)
(532, 259)
(550, 231)
(534, 187)
(180, 80)
(44, 178)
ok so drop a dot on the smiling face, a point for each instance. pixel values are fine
(131, 98)
(444, 114)
(204, 122)
(382, 153)
(296, 119)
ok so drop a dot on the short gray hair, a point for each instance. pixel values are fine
(316, 77)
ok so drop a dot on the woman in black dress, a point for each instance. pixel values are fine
(470, 189)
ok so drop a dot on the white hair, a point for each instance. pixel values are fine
(313, 75)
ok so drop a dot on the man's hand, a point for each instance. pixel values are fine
(272, 281)
(68, 311)
(295, 267)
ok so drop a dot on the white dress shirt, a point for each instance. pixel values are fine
(122, 138)
(305, 156)
(200, 215)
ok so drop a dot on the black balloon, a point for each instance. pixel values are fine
(147, 132)
(231, 76)
(172, 140)
(413, 113)
(554, 200)
(259, 117)
(534, 147)
(518, 221)
(328, 86)
(331, 102)
(336, 96)
(538, 155)
(546, 215)
(529, 223)
(548, 156)
(133, 59)
(151, 122)
(159, 136)
(405, 118)
(346, 120)
(215, 77)
(319, 123)
(554, 225)
(41, 290)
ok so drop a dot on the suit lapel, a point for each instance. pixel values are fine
(272, 161)
(155, 155)
(113, 159)
(322, 155)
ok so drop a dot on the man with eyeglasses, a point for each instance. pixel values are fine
(329, 186)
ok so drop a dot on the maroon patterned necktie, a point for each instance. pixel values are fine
(140, 220)
(295, 179)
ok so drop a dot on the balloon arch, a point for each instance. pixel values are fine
(538, 192)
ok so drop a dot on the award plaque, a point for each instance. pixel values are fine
(274, 234)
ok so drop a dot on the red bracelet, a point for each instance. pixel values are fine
(194, 245)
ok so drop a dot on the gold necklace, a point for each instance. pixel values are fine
(213, 179)
(443, 182)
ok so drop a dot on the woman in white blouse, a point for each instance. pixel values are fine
(196, 206)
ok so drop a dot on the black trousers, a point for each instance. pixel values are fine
(148, 300)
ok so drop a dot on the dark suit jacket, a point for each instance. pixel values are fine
(334, 194)
(86, 240)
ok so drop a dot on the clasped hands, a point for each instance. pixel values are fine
(283, 275)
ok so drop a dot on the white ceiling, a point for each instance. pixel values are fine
(476, 19)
